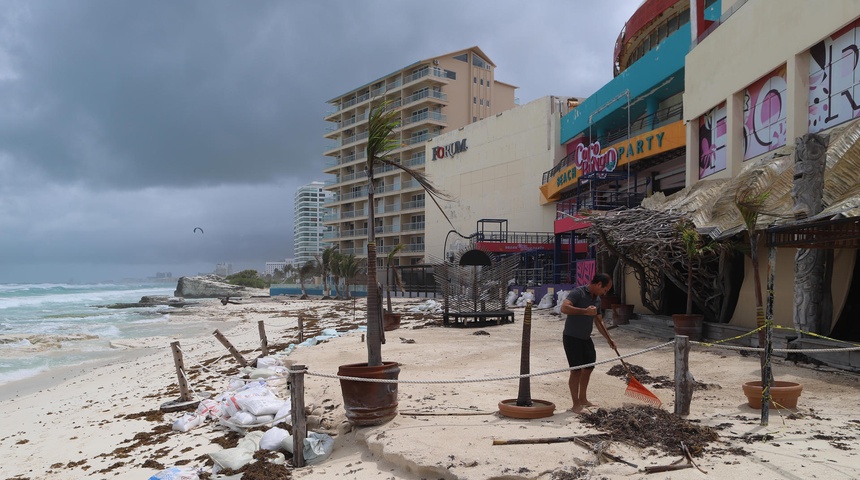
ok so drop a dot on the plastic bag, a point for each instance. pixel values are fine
(318, 447)
(546, 301)
(176, 473)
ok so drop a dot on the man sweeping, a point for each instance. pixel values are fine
(581, 308)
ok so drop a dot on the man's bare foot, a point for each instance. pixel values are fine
(576, 409)
(588, 404)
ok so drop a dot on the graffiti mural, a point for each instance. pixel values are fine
(712, 141)
(585, 270)
(833, 79)
(764, 114)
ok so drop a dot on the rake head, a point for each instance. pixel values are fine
(639, 392)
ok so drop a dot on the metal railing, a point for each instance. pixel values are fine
(435, 116)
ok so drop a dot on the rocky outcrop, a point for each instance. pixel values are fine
(150, 301)
(210, 286)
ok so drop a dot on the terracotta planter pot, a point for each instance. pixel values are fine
(538, 409)
(621, 313)
(607, 301)
(782, 394)
(369, 403)
(390, 321)
(689, 325)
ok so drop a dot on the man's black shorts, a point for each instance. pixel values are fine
(579, 351)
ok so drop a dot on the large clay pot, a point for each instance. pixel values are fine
(538, 409)
(390, 321)
(369, 403)
(782, 394)
(621, 313)
(689, 325)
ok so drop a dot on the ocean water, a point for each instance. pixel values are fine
(43, 326)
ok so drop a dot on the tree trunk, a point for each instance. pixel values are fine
(374, 314)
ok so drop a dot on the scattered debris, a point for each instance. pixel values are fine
(645, 426)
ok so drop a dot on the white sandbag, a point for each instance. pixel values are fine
(269, 362)
(187, 422)
(176, 473)
(233, 458)
(256, 373)
(209, 409)
(511, 299)
(264, 419)
(525, 298)
(273, 438)
(318, 447)
(546, 301)
(243, 418)
(285, 414)
(260, 405)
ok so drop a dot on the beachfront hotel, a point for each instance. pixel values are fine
(434, 96)
(308, 228)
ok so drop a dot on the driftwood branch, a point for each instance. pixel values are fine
(579, 440)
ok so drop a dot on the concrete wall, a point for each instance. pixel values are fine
(498, 176)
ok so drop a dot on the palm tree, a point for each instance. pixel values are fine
(324, 262)
(334, 267)
(749, 204)
(307, 269)
(392, 275)
(381, 123)
(349, 267)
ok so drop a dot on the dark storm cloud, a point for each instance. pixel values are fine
(126, 120)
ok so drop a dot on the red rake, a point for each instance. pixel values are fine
(637, 390)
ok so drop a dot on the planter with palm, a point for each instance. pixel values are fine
(369, 403)
(688, 323)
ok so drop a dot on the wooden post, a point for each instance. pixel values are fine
(264, 343)
(300, 425)
(684, 381)
(301, 329)
(238, 356)
(184, 394)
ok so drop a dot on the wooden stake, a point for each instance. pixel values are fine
(300, 425)
(684, 381)
(264, 343)
(238, 356)
(301, 329)
(184, 394)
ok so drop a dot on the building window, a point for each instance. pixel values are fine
(482, 81)
(475, 80)
(451, 75)
(488, 104)
(463, 58)
(475, 100)
(474, 119)
(482, 102)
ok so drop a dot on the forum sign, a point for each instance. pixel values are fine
(450, 150)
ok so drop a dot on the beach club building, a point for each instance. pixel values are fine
(627, 140)
(433, 96)
(759, 76)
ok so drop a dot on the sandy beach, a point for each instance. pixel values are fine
(103, 421)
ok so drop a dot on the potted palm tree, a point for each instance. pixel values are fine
(373, 403)
(780, 393)
(391, 320)
(689, 323)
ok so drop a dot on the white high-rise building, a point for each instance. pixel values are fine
(308, 228)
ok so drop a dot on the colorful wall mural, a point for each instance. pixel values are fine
(585, 270)
(764, 114)
(712, 141)
(834, 78)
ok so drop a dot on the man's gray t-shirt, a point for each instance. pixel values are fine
(580, 326)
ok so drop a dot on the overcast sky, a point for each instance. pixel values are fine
(126, 124)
